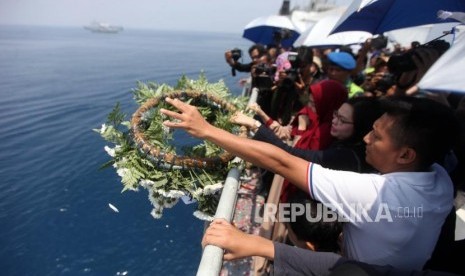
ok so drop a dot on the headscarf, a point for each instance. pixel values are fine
(328, 96)
(307, 138)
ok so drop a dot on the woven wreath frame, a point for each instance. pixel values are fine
(165, 159)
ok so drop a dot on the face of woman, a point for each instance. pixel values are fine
(342, 126)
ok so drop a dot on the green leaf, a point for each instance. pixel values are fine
(116, 116)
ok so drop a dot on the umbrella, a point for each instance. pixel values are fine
(304, 19)
(444, 74)
(379, 16)
(422, 34)
(319, 34)
(273, 29)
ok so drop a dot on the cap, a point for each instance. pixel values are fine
(342, 59)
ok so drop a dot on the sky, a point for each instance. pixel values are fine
(201, 15)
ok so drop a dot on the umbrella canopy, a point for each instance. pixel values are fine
(319, 35)
(422, 34)
(445, 73)
(379, 16)
(273, 29)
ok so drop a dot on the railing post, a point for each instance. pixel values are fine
(253, 96)
(212, 257)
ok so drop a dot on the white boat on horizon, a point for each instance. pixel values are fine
(101, 27)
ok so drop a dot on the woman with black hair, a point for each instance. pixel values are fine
(353, 120)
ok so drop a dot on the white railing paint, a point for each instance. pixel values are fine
(212, 257)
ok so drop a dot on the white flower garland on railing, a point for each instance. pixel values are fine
(143, 157)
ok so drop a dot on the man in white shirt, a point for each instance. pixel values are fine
(394, 218)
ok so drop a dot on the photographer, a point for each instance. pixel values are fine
(408, 68)
(262, 78)
(290, 86)
(280, 35)
(232, 57)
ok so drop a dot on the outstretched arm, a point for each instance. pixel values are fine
(288, 259)
(259, 153)
(236, 243)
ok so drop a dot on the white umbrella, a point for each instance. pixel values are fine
(319, 34)
(422, 34)
(306, 19)
(446, 72)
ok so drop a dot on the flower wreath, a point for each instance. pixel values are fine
(144, 157)
(166, 159)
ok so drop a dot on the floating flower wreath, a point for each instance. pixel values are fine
(143, 154)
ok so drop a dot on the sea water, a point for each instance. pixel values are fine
(56, 85)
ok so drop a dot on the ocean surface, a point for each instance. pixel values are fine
(56, 85)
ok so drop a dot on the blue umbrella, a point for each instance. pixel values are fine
(273, 29)
(379, 16)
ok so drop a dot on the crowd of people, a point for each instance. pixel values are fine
(351, 133)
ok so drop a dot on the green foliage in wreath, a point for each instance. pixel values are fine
(168, 182)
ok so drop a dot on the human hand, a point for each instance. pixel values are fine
(188, 118)
(240, 118)
(223, 234)
(366, 46)
(274, 126)
(228, 57)
(243, 82)
(256, 108)
(283, 132)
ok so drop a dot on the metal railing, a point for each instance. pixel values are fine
(212, 257)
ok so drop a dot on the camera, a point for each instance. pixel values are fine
(294, 60)
(236, 54)
(401, 63)
(386, 82)
(264, 69)
(263, 76)
(379, 42)
(293, 72)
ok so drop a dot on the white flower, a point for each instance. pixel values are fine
(197, 193)
(146, 183)
(202, 216)
(170, 202)
(146, 115)
(211, 189)
(122, 172)
(157, 212)
(110, 151)
(156, 202)
(131, 188)
(171, 193)
(166, 130)
(236, 160)
(103, 128)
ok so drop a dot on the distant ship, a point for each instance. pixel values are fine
(100, 27)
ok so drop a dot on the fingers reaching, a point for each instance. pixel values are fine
(240, 118)
(180, 117)
(176, 103)
(175, 115)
